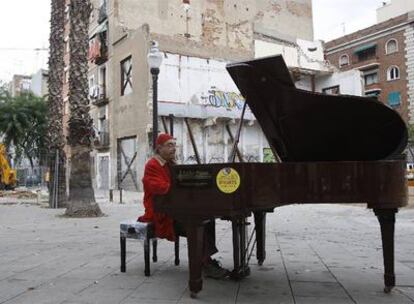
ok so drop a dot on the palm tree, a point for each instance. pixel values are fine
(55, 136)
(81, 194)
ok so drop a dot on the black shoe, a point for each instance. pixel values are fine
(214, 270)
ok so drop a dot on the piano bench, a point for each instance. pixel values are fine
(131, 229)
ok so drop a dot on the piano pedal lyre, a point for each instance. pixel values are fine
(240, 250)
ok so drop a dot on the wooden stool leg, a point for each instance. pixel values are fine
(177, 251)
(123, 253)
(147, 256)
(154, 250)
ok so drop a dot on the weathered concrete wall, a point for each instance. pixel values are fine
(192, 80)
(216, 28)
(349, 82)
(202, 91)
(299, 53)
(213, 141)
(129, 113)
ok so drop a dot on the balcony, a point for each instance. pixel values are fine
(97, 95)
(102, 140)
(98, 48)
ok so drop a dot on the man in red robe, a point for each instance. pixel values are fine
(157, 181)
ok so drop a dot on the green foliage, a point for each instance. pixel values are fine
(23, 125)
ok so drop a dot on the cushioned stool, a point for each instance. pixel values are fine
(145, 232)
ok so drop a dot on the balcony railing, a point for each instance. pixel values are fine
(102, 141)
(97, 95)
(98, 49)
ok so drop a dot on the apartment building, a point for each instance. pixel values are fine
(384, 53)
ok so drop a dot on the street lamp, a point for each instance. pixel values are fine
(154, 61)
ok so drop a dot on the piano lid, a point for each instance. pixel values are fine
(306, 126)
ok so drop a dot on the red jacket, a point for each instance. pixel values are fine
(157, 180)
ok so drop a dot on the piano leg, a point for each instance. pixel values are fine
(260, 228)
(386, 218)
(195, 234)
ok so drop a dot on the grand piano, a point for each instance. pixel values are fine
(330, 149)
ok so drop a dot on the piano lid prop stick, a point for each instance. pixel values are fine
(236, 139)
(164, 124)
(192, 140)
(240, 157)
(171, 116)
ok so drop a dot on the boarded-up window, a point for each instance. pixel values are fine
(126, 163)
(126, 76)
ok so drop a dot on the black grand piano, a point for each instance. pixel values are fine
(331, 149)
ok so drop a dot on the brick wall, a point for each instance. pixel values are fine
(381, 61)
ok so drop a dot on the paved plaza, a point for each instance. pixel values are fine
(315, 254)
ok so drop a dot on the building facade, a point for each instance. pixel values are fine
(393, 8)
(195, 92)
(38, 84)
(384, 54)
(20, 84)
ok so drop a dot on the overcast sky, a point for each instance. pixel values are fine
(24, 27)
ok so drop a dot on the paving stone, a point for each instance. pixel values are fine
(315, 254)
(318, 289)
(322, 300)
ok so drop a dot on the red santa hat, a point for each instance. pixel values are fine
(163, 138)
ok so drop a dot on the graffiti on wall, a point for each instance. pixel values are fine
(228, 100)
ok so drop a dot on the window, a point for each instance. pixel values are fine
(343, 60)
(102, 81)
(366, 52)
(126, 76)
(393, 73)
(391, 46)
(394, 99)
(92, 87)
(370, 77)
(373, 93)
(331, 90)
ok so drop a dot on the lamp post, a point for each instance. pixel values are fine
(154, 61)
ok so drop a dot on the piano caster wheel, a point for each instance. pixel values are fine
(193, 295)
(388, 289)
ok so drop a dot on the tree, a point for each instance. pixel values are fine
(81, 194)
(55, 136)
(23, 125)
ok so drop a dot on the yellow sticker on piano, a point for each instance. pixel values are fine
(228, 180)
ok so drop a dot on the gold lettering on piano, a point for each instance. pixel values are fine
(228, 180)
